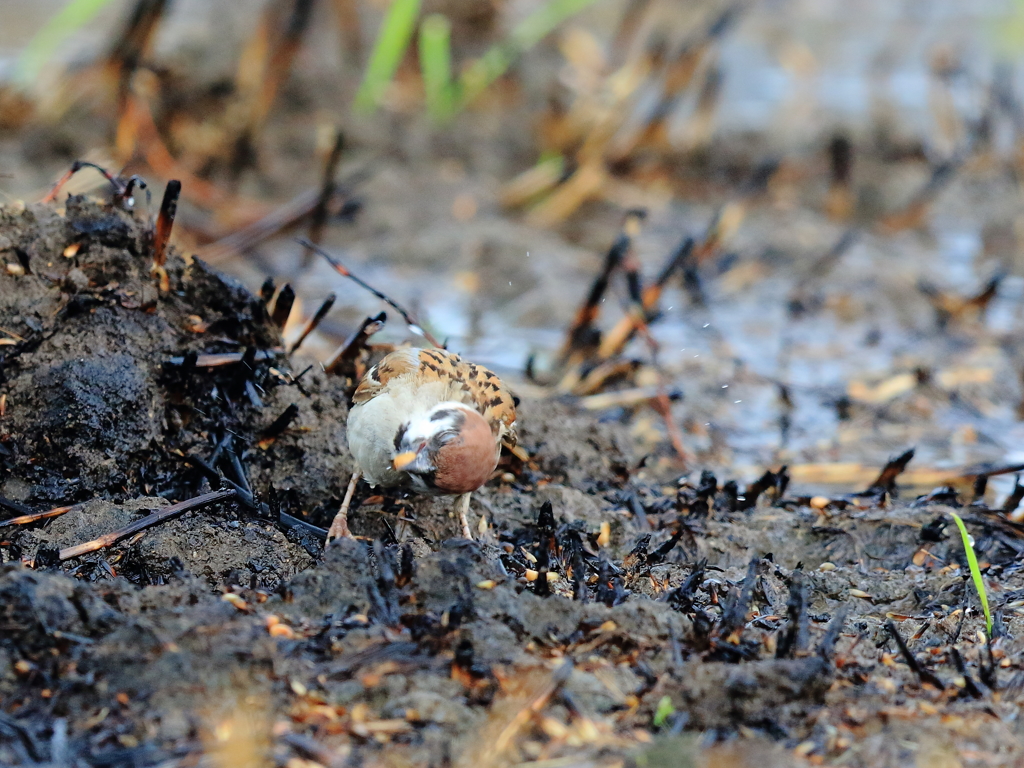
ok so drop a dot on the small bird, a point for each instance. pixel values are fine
(430, 421)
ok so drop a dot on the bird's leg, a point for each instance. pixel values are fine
(462, 502)
(339, 527)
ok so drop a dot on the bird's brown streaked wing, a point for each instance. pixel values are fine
(489, 395)
(480, 385)
(398, 363)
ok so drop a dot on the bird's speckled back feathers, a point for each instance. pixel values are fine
(470, 383)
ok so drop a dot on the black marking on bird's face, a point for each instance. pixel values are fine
(400, 435)
(515, 401)
(439, 415)
(456, 418)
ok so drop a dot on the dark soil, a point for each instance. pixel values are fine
(229, 632)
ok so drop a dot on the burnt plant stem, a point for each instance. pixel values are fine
(923, 674)
(795, 638)
(160, 516)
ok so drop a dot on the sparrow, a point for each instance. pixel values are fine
(429, 421)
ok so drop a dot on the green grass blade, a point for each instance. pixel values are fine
(664, 711)
(972, 562)
(526, 34)
(391, 45)
(436, 65)
(542, 22)
(42, 47)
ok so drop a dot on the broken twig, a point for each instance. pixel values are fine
(155, 518)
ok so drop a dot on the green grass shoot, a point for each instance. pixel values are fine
(526, 34)
(436, 65)
(42, 47)
(664, 711)
(972, 562)
(444, 96)
(388, 51)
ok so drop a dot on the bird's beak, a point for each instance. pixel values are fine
(411, 461)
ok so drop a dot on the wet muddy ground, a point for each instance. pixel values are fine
(780, 600)
(610, 613)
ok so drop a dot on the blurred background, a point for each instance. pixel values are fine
(848, 172)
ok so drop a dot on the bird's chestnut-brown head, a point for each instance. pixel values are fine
(448, 450)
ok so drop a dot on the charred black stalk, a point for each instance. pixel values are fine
(283, 305)
(886, 482)
(14, 506)
(343, 361)
(574, 543)
(736, 613)
(970, 686)
(637, 508)
(407, 567)
(313, 322)
(241, 380)
(781, 483)
(979, 488)
(754, 490)
(827, 645)
(707, 487)
(581, 334)
(923, 674)
(464, 655)
(282, 422)
(609, 586)
(636, 562)
(236, 467)
(988, 671)
(1014, 499)
(189, 364)
(217, 479)
(24, 259)
(546, 528)
(382, 590)
(681, 598)
(659, 555)
(728, 497)
(267, 290)
(840, 151)
(287, 521)
(164, 225)
(795, 638)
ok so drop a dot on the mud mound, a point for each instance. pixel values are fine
(606, 609)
